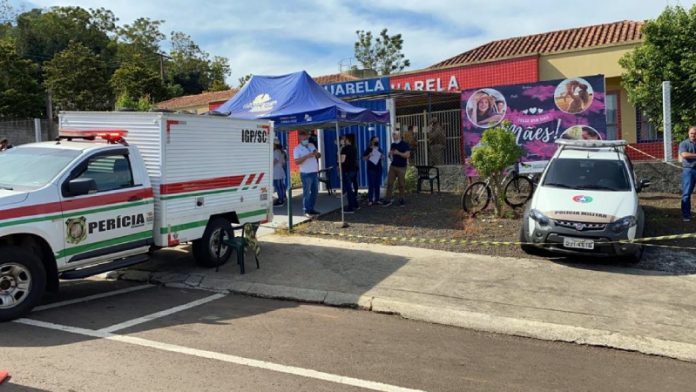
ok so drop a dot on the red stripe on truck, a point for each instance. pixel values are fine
(250, 180)
(260, 178)
(201, 185)
(76, 204)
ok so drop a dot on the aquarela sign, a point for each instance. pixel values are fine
(356, 88)
(537, 114)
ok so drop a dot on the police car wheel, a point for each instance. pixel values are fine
(524, 238)
(22, 282)
(205, 250)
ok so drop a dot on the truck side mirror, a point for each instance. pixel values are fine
(644, 183)
(81, 186)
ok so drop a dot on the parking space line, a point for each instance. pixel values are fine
(163, 313)
(92, 297)
(233, 359)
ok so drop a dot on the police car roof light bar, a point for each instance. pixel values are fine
(592, 143)
(112, 136)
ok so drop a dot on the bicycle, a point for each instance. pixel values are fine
(517, 191)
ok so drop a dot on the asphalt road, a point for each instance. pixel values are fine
(162, 339)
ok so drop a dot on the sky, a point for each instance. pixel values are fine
(273, 37)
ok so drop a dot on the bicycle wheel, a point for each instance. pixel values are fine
(476, 197)
(518, 191)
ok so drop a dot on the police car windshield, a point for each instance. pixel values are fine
(23, 168)
(587, 174)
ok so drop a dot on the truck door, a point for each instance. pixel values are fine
(114, 220)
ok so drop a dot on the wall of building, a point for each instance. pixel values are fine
(595, 61)
(455, 79)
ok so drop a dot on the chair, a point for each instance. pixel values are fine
(247, 240)
(325, 178)
(424, 174)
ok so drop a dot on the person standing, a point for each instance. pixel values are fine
(5, 145)
(306, 157)
(373, 155)
(349, 170)
(399, 152)
(279, 172)
(687, 151)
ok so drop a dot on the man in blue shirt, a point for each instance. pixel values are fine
(687, 150)
(399, 153)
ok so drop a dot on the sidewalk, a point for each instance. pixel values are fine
(629, 309)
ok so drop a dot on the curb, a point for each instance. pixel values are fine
(445, 316)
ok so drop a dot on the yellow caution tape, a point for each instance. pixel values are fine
(423, 240)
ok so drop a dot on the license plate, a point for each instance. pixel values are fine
(577, 243)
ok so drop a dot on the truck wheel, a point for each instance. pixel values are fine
(22, 282)
(205, 250)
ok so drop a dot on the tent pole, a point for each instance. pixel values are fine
(289, 180)
(340, 173)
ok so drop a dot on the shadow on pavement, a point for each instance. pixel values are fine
(311, 267)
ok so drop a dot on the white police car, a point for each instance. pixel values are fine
(586, 202)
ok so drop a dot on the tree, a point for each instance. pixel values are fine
(135, 80)
(384, 55)
(41, 34)
(21, 95)
(244, 80)
(497, 151)
(141, 42)
(219, 71)
(668, 53)
(78, 79)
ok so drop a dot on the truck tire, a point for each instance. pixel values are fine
(205, 248)
(22, 282)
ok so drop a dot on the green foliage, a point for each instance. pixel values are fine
(411, 179)
(384, 55)
(295, 180)
(135, 80)
(497, 151)
(667, 54)
(125, 101)
(78, 79)
(21, 95)
(40, 35)
(244, 80)
(86, 59)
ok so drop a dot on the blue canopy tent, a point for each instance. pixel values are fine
(296, 101)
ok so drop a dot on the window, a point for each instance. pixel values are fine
(32, 167)
(110, 172)
(645, 131)
(612, 112)
(587, 174)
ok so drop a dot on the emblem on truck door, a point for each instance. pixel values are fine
(76, 230)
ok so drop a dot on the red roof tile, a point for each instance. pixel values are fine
(625, 31)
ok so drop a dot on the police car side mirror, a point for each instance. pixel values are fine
(643, 184)
(81, 186)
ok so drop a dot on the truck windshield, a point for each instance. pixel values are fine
(32, 167)
(586, 174)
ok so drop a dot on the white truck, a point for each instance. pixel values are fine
(117, 185)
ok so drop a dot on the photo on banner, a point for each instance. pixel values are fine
(537, 114)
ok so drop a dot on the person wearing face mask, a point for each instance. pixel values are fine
(306, 157)
(399, 153)
(373, 155)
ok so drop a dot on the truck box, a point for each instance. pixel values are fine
(199, 166)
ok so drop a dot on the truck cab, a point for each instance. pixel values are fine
(64, 205)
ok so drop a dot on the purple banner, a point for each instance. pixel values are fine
(539, 113)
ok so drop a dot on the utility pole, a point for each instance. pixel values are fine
(161, 57)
